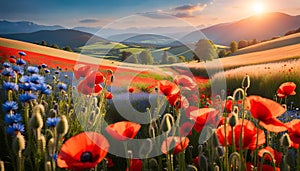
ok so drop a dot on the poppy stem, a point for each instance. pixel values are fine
(256, 145)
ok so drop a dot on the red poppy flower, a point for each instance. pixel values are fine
(94, 77)
(196, 160)
(12, 60)
(204, 116)
(265, 167)
(266, 111)
(108, 95)
(135, 165)
(294, 131)
(110, 163)
(286, 89)
(81, 70)
(123, 130)
(170, 90)
(87, 90)
(189, 110)
(249, 135)
(186, 128)
(275, 154)
(83, 151)
(178, 144)
(185, 82)
(131, 89)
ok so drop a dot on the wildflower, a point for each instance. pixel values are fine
(9, 106)
(32, 69)
(22, 53)
(52, 122)
(84, 88)
(26, 97)
(62, 86)
(18, 69)
(265, 167)
(135, 165)
(21, 62)
(12, 60)
(131, 89)
(180, 144)
(37, 79)
(44, 66)
(18, 144)
(56, 72)
(266, 111)
(94, 78)
(249, 135)
(6, 65)
(12, 118)
(43, 88)
(170, 90)
(81, 70)
(204, 116)
(123, 130)
(10, 86)
(28, 87)
(62, 126)
(277, 156)
(16, 127)
(83, 151)
(8, 72)
(47, 71)
(108, 95)
(293, 129)
(286, 89)
(185, 82)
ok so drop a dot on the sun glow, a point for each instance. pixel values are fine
(258, 8)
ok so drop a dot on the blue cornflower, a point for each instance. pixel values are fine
(13, 57)
(62, 86)
(26, 97)
(44, 65)
(56, 72)
(52, 122)
(18, 69)
(37, 79)
(43, 88)
(21, 62)
(10, 86)
(27, 86)
(24, 79)
(32, 69)
(15, 127)
(8, 106)
(6, 65)
(22, 53)
(47, 71)
(8, 72)
(12, 118)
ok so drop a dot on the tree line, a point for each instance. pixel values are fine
(55, 46)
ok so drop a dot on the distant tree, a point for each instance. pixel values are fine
(132, 59)
(181, 58)
(146, 57)
(254, 41)
(44, 43)
(68, 48)
(125, 55)
(205, 50)
(233, 46)
(171, 59)
(164, 59)
(222, 53)
(55, 46)
(242, 44)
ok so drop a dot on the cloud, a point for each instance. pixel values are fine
(159, 14)
(190, 7)
(183, 15)
(89, 21)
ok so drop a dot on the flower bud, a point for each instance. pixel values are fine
(246, 82)
(167, 123)
(2, 168)
(145, 148)
(36, 121)
(153, 164)
(62, 126)
(18, 144)
(215, 140)
(285, 140)
(94, 101)
(51, 146)
(203, 163)
(42, 142)
(216, 168)
(220, 151)
(39, 108)
(52, 113)
(233, 120)
(48, 166)
(191, 168)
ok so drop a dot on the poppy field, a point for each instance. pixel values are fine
(54, 118)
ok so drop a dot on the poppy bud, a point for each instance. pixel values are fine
(36, 121)
(95, 101)
(42, 142)
(52, 113)
(153, 164)
(18, 144)
(62, 126)
(39, 108)
(216, 168)
(97, 111)
(145, 148)
(285, 140)
(151, 131)
(51, 146)
(233, 120)
(215, 140)
(112, 78)
(246, 82)
(203, 163)
(191, 168)
(220, 151)
(48, 166)
(83, 110)
(2, 166)
(167, 123)
(235, 161)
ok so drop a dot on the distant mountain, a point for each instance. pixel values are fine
(8, 27)
(62, 37)
(91, 30)
(261, 27)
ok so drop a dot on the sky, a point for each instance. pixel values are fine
(140, 13)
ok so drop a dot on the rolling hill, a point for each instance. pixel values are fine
(261, 27)
(8, 27)
(62, 37)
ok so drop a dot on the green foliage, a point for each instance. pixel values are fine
(55, 46)
(242, 44)
(171, 59)
(222, 53)
(164, 59)
(68, 48)
(181, 58)
(146, 58)
(233, 46)
(132, 59)
(125, 55)
(44, 43)
(205, 50)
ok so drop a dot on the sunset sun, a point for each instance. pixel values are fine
(258, 8)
